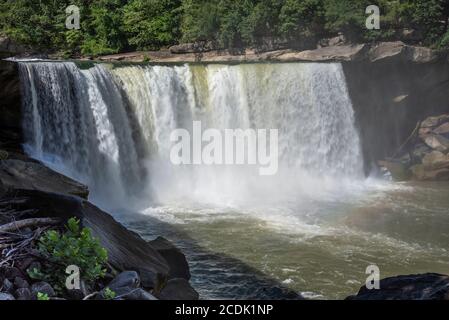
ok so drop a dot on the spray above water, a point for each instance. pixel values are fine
(111, 128)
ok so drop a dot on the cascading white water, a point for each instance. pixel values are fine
(105, 126)
(75, 120)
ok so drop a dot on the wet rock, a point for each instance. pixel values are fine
(420, 151)
(433, 122)
(437, 142)
(126, 286)
(435, 160)
(428, 286)
(442, 129)
(176, 260)
(23, 294)
(421, 173)
(42, 287)
(32, 175)
(398, 170)
(128, 279)
(21, 283)
(178, 289)
(6, 296)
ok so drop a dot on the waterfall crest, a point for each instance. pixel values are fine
(108, 127)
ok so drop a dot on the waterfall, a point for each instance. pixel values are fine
(109, 126)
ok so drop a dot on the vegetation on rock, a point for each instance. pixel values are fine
(74, 247)
(111, 26)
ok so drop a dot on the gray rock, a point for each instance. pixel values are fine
(42, 287)
(336, 53)
(398, 170)
(435, 160)
(7, 286)
(20, 174)
(437, 142)
(432, 122)
(421, 173)
(178, 289)
(126, 286)
(428, 286)
(11, 273)
(126, 249)
(442, 129)
(23, 294)
(128, 279)
(176, 260)
(6, 296)
(19, 282)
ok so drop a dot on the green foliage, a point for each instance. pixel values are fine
(109, 294)
(151, 24)
(42, 296)
(74, 247)
(110, 26)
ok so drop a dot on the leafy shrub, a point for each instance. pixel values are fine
(109, 294)
(74, 247)
(42, 296)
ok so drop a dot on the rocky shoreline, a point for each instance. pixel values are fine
(31, 193)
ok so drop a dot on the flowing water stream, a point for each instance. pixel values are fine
(313, 227)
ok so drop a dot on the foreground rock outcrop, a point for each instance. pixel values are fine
(428, 286)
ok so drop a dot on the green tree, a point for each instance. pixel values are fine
(302, 19)
(200, 20)
(152, 24)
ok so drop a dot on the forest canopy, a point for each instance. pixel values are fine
(111, 26)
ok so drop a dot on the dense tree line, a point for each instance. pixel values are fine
(110, 26)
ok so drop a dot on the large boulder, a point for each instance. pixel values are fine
(400, 52)
(436, 160)
(176, 260)
(126, 249)
(428, 286)
(31, 175)
(422, 173)
(437, 142)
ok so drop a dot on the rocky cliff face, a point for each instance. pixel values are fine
(390, 95)
(10, 107)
